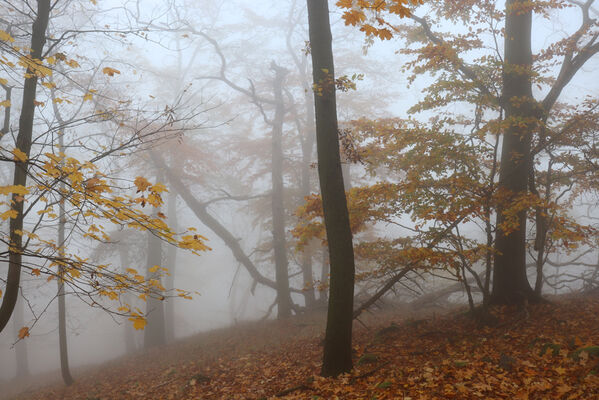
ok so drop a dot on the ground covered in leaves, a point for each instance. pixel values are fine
(546, 351)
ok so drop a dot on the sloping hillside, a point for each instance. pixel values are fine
(547, 351)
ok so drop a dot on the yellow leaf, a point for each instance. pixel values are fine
(139, 322)
(88, 97)
(23, 332)
(17, 189)
(72, 63)
(5, 103)
(49, 85)
(9, 214)
(35, 272)
(141, 183)
(5, 37)
(154, 269)
(3, 81)
(110, 71)
(159, 188)
(19, 155)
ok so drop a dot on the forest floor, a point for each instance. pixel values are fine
(546, 351)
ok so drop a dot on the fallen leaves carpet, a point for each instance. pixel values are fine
(546, 351)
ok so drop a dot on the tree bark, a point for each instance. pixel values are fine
(337, 357)
(21, 346)
(171, 264)
(308, 140)
(62, 312)
(38, 39)
(130, 346)
(154, 334)
(510, 283)
(277, 200)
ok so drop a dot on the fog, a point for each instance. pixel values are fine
(184, 93)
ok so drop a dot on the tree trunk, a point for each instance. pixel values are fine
(199, 209)
(305, 189)
(277, 200)
(21, 346)
(154, 334)
(171, 264)
(510, 284)
(38, 39)
(62, 312)
(130, 346)
(323, 293)
(337, 357)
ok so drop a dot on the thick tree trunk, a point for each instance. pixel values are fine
(154, 334)
(323, 293)
(171, 264)
(510, 284)
(338, 339)
(38, 39)
(277, 200)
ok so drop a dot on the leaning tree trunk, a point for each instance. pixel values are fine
(277, 200)
(38, 39)
(510, 283)
(337, 357)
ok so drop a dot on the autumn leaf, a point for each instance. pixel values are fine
(17, 189)
(154, 268)
(19, 155)
(141, 183)
(110, 71)
(23, 332)
(5, 103)
(9, 214)
(139, 322)
(5, 37)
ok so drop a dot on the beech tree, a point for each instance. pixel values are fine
(84, 194)
(338, 338)
(500, 82)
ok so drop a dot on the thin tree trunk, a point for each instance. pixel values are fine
(305, 189)
(171, 264)
(21, 346)
(62, 312)
(38, 39)
(155, 332)
(510, 283)
(130, 346)
(277, 200)
(337, 357)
